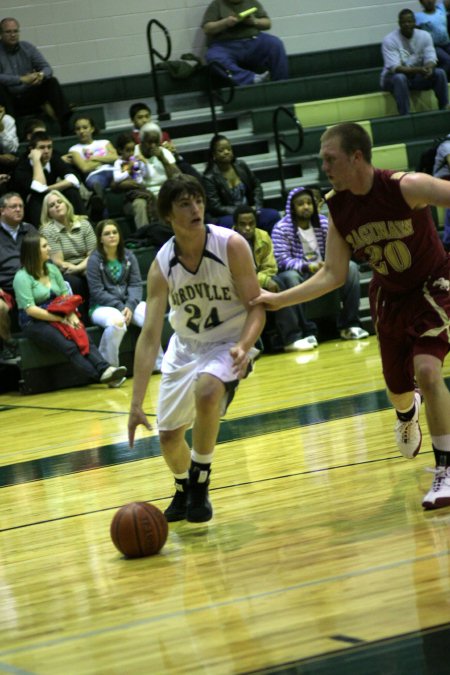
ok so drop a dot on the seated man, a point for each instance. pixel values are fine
(433, 18)
(441, 169)
(40, 171)
(26, 81)
(160, 165)
(299, 243)
(410, 64)
(288, 321)
(12, 232)
(141, 114)
(236, 41)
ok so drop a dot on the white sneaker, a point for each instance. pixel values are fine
(408, 435)
(354, 333)
(303, 345)
(439, 494)
(113, 374)
(117, 383)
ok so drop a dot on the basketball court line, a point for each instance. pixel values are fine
(246, 427)
(214, 606)
(259, 481)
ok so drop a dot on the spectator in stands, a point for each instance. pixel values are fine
(288, 321)
(229, 182)
(27, 85)
(441, 169)
(115, 287)
(71, 240)
(160, 163)
(12, 231)
(410, 64)
(433, 19)
(36, 284)
(94, 159)
(140, 114)
(128, 177)
(41, 170)
(236, 39)
(299, 244)
(9, 143)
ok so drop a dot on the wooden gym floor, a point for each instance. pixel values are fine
(319, 558)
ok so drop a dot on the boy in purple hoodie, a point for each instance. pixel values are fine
(299, 241)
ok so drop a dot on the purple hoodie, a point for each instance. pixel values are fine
(287, 244)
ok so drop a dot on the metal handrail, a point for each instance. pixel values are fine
(215, 68)
(281, 142)
(161, 110)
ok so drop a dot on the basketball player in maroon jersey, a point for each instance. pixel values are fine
(383, 217)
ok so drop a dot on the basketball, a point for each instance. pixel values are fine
(139, 529)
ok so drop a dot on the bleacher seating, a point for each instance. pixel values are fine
(348, 77)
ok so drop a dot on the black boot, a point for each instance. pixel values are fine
(177, 507)
(199, 508)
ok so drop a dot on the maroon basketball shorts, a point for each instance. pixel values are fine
(411, 324)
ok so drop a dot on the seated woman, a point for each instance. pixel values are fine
(229, 183)
(115, 287)
(36, 284)
(71, 239)
(94, 159)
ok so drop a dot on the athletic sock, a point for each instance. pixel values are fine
(441, 449)
(406, 415)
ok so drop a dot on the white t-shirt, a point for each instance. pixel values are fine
(156, 174)
(91, 151)
(311, 251)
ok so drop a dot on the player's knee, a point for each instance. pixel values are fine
(209, 393)
(428, 373)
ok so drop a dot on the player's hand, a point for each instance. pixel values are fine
(270, 301)
(240, 361)
(136, 417)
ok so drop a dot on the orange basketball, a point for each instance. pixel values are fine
(139, 529)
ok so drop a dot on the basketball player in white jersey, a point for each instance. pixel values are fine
(207, 275)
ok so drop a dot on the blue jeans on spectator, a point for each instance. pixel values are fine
(443, 54)
(350, 294)
(400, 85)
(243, 58)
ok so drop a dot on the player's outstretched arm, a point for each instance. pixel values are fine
(420, 190)
(332, 275)
(147, 347)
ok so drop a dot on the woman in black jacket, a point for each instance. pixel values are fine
(230, 182)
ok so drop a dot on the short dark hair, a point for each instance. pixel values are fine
(352, 137)
(98, 233)
(405, 11)
(136, 107)
(89, 119)
(243, 208)
(123, 139)
(173, 188)
(39, 136)
(7, 19)
(30, 254)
